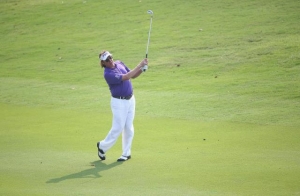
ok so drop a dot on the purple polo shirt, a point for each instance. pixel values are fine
(113, 78)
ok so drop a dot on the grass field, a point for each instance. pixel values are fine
(217, 111)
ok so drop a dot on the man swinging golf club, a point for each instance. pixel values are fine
(117, 76)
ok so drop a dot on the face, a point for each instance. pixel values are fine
(109, 62)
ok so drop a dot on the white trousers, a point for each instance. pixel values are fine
(123, 116)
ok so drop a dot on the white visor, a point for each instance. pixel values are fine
(104, 56)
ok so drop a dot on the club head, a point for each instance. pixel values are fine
(150, 12)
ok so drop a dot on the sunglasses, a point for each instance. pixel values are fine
(108, 58)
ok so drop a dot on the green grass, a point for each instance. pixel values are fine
(43, 155)
(224, 122)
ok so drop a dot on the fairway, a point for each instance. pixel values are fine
(217, 111)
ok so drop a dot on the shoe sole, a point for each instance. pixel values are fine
(127, 158)
(100, 151)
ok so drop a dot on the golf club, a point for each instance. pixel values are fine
(151, 13)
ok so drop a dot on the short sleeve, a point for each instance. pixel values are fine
(113, 78)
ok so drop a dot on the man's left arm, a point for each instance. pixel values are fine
(137, 74)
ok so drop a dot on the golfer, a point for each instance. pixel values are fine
(117, 76)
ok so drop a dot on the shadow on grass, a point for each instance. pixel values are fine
(98, 166)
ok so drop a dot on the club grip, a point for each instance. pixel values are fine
(145, 68)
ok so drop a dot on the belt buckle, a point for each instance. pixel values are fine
(124, 98)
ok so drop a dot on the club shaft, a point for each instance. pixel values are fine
(149, 37)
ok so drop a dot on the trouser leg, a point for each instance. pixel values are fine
(128, 131)
(119, 119)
